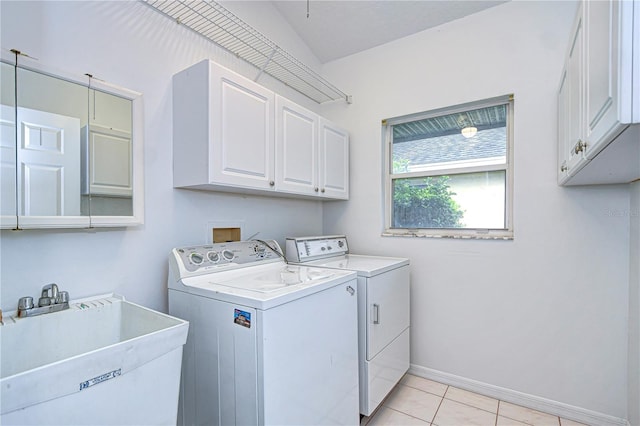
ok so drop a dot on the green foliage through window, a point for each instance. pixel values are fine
(425, 203)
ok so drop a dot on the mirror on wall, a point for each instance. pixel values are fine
(71, 150)
(50, 113)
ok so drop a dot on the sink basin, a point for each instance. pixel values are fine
(103, 361)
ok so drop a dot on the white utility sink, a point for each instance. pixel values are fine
(103, 361)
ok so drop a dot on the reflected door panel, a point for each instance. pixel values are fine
(49, 161)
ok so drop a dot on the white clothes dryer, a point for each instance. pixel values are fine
(383, 310)
(269, 343)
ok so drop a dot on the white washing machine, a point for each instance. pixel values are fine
(383, 310)
(269, 343)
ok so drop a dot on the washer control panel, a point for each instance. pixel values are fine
(305, 249)
(223, 255)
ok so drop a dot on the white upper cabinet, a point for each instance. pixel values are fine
(223, 136)
(312, 154)
(599, 96)
(231, 134)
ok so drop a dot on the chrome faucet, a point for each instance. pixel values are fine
(51, 300)
(45, 300)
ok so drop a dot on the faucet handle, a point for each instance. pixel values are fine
(54, 292)
(25, 303)
(63, 297)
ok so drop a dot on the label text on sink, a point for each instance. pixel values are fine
(101, 378)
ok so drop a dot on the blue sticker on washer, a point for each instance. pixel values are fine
(242, 318)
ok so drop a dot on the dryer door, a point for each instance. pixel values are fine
(387, 308)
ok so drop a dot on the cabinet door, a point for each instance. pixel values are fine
(334, 161)
(601, 74)
(574, 118)
(242, 149)
(563, 128)
(296, 148)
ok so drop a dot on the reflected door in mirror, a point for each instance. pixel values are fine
(48, 160)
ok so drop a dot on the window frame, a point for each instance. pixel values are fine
(388, 175)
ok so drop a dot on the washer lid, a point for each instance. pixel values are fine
(272, 280)
(266, 286)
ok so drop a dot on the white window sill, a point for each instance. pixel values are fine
(452, 234)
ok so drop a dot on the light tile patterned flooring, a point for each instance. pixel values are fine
(418, 401)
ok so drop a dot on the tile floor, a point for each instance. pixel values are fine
(418, 401)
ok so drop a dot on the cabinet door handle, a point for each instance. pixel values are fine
(271, 183)
(315, 189)
(376, 313)
(564, 167)
(580, 147)
(322, 190)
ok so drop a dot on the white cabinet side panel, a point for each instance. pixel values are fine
(191, 134)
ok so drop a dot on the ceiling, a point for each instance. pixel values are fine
(335, 29)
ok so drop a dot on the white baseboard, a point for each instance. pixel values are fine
(556, 408)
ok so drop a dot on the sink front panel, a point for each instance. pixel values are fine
(81, 349)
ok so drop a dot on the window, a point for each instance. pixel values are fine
(449, 171)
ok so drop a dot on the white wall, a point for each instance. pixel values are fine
(634, 308)
(131, 45)
(546, 313)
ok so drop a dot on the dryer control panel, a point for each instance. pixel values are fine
(208, 258)
(305, 249)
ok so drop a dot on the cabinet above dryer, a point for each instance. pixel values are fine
(231, 134)
(312, 154)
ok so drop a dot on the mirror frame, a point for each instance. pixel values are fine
(137, 152)
(11, 221)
